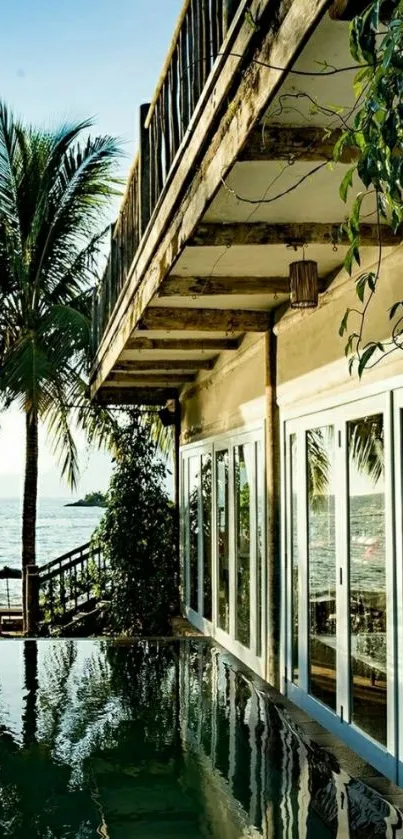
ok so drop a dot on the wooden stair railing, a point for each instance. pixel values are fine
(72, 583)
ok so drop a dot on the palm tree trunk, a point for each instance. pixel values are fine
(29, 512)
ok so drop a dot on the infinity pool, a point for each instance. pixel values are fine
(152, 739)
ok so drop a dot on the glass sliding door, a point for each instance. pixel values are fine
(224, 535)
(260, 536)
(341, 634)
(206, 495)
(197, 535)
(294, 558)
(367, 577)
(244, 474)
(194, 525)
(322, 636)
(222, 545)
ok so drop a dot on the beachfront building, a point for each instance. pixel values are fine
(289, 478)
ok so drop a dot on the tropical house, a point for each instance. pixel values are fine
(289, 478)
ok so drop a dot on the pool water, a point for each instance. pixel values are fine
(161, 739)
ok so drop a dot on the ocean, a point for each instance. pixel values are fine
(59, 530)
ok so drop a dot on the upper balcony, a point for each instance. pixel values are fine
(231, 178)
(165, 125)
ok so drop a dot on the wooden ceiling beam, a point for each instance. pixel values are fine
(136, 366)
(214, 286)
(135, 396)
(266, 233)
(138, 342)
(221, 286)
(157, 380)
(287, 142)
(204, 320)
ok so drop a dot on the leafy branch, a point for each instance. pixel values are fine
(377, 135)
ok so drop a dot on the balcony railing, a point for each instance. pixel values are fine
(199, 35)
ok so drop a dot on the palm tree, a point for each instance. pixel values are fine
(55, 188)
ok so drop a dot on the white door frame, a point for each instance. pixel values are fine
(339, 723)
(228, 442)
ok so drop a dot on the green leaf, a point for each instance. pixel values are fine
(348, 261)
(339, 146)
(360, 81)
(393, 309)
(346, 183)
(365, 358)
(349, 346)
(360, 285)
(355, 212)
(343, 325)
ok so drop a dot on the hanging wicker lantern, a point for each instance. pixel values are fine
(304, 284)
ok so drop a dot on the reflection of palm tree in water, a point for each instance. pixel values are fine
(39, 798)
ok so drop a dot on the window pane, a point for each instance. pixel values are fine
(294, 558)
(260, 544)
(322, 564)
(243, 471)
(194, 479)
(222, 539)
(206, 509)
(368, 575)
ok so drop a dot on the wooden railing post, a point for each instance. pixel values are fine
(144, 172)
(32, 599)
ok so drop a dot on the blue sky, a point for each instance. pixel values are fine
(73, 60)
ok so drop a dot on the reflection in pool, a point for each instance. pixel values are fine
(153, 739)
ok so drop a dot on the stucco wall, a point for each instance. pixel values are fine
(311, 358)
(230, 396)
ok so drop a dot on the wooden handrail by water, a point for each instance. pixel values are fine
(72, 582)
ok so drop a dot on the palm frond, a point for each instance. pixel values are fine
(366, 446)
(318, 465)
(163, 436)
(62, 441)
(54, 191)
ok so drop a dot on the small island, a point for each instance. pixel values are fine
(92, 499)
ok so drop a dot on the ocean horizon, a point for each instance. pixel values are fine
(59, 528)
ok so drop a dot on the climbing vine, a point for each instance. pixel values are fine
(376, 43)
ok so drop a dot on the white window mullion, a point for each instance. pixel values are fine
(232, 543)
(288, 598)
(398, 491)
(253, 577)
(302, 490)
(214, 538)
(200, 545)
(342, 576)
(187, 532)
(391, 616)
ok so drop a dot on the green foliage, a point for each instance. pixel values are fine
(136, 535)
(55, 187)
(376, 44)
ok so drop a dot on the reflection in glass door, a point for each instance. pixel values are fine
(294, 558)
(368, 604)
(206, 488)
(194, 518)
(224, 541)
(322, 564)
(222, 514)
(244, 505)
(341, 595)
